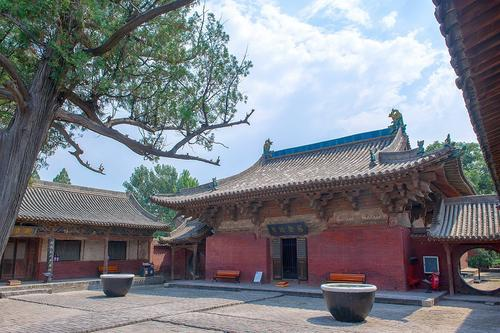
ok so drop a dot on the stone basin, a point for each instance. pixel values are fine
(349, 302)
(116, 285)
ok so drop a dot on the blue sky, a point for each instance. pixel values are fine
(322, 69)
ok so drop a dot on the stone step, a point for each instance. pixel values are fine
(29, 291)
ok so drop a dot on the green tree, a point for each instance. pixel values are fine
(156, 76)
(473, 164)
(481, 259)
(161, 179)
(62, 177)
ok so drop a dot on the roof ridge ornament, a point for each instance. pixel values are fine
(447, 141)
(266, 151)
(215, 184)
(373, 157)
(397, 121)
(420, 148)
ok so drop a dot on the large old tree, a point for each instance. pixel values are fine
(153, 75)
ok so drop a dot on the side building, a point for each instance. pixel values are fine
(366, 203)
(67, 231)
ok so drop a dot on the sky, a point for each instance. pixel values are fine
(322, 69)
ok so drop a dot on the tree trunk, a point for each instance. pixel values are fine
(20, 144)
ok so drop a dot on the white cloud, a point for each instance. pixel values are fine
(310, 84)
(331, 79)
(348, 9)
(390, 19)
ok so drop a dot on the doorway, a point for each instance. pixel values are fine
(289, 251)
(19, 259)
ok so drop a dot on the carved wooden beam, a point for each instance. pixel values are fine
(353, 197)
(286, 205)
(319, 202)
(211, 216)
(396, 196)
(232, 212)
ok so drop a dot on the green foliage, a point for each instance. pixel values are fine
(473, 164)
(482, 258)
(62, 177)
(173, 72)
(162, 179)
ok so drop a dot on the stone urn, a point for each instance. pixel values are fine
(349, 302)
(116, 285)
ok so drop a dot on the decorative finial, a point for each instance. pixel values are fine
(215, 184)
(373, 159)
(397, 121)
(447, 141)
(421, 149)
(267, 148)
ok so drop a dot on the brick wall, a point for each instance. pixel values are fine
(423, 247)
(161, 258)
(86, 269)
(377, 251)
(237, 251)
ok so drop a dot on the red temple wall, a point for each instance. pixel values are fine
(85, 269)
(161, 258)
(377, 251)
(238, 251)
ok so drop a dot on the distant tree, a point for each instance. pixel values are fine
(144, 183)
(186, 181)
(35, 175)
(473, 163)
(482, 259)
(62, 177)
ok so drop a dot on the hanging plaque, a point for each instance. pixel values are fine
(287, 229)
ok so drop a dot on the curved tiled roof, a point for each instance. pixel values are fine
(475, 217)
(189, 231)
(340, 161)
(60, 203)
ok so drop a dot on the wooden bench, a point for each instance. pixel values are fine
(111, 269)
(227, 275)
(346, 278)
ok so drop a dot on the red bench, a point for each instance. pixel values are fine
(111, 269)
(346, 278)
(227, 275)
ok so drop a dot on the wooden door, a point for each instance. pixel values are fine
(302, 258)
(276, 259)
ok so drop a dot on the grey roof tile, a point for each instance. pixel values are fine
(348, 160)
(475, 217)
(53, 202)
(189, 230)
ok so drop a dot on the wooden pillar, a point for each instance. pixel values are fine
(449, 267)
(195, 264)
(150, 248)
(106, 255)
(172, 256)
(50, 257)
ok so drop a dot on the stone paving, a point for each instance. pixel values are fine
(158, 309)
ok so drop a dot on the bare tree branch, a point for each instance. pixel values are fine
(87, 107)
(6, 94)
(205, 128)
(132, 122)
(78, 150)
(134, 145)
(135, 22)
(11, 70)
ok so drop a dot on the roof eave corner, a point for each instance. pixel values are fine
(141, 209)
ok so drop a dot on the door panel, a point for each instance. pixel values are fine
(276, 258)
(7, 268)
(302, 258)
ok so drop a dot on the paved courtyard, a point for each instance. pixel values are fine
(158, 309)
